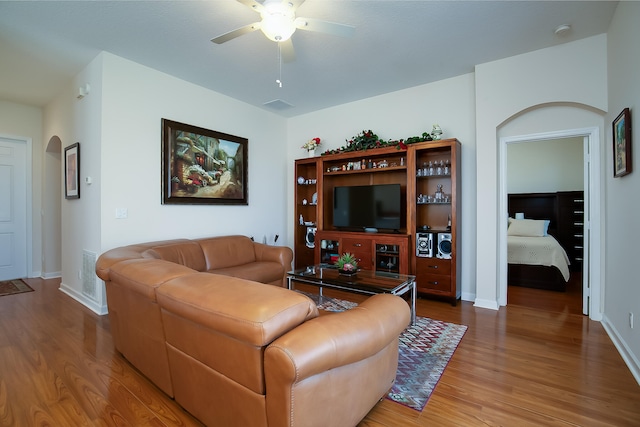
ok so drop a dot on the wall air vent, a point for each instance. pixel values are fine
(278, 104)
(89, 274)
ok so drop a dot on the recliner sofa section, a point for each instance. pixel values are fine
(234, 352)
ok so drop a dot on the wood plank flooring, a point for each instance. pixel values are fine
(519, 366)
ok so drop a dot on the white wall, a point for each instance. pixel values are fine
(73, 120)
(402, 114)
(19, 120)
(622, 294)
(135, 99)
(545, 166)
(568, 75)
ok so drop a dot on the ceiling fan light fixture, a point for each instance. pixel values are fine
(278, 22)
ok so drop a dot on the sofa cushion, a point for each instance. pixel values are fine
(264, 272)
(227, 251)
(187, 253)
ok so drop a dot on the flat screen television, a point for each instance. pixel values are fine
(368, 207)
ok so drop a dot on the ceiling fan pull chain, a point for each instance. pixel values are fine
(279, 80)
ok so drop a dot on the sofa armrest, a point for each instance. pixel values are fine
(339, 339)
(280, 254)
(336, 367)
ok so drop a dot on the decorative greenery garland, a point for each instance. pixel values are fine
(367, 139)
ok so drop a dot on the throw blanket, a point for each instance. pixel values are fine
(538, 251)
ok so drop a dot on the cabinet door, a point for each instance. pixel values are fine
(361, 248)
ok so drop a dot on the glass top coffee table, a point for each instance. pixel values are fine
(364, 282)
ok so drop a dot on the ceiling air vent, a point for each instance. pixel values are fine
(278, 104)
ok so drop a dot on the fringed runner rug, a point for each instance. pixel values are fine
(425, 351)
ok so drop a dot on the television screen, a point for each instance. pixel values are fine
(368, 206)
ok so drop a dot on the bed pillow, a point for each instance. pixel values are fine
(528, 227)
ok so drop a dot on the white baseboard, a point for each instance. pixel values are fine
(627, 355)
(52, 275)
(468, 296)
(485, 303)
(90, 304)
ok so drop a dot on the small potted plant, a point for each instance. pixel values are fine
(347, 264)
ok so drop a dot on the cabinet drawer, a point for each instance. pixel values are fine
(433, 282)
(356, 245)
(433, 266)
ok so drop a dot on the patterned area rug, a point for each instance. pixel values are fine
(10, 287)
(425, 351)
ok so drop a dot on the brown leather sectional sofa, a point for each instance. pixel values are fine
(196, 317)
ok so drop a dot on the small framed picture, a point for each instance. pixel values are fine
(72, 171)
(622, 144)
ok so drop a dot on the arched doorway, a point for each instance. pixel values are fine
(541, 117)
(51, 207)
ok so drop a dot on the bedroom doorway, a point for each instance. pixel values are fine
(591, 174)
(545, 181)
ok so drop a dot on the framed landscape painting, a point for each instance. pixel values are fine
(622, 144)
(202, 166)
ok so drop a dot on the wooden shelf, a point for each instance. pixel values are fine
(345, 169)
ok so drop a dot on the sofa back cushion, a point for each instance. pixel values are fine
(227, 251)
(187, 253)
(225, 323)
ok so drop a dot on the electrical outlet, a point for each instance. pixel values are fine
(80, 274)
(631, 320)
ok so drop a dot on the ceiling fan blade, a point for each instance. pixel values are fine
(253, 5)
(286, 51)
(317, 25)
(236, 33)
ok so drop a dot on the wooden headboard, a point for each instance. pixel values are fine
(536, 206)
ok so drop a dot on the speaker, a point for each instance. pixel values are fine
(424, 245)
(444, 246)
(310, 237)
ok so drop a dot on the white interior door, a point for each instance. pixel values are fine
(13, 209)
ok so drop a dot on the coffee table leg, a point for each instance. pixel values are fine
(414, 293)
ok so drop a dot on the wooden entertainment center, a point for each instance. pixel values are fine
(426, 245)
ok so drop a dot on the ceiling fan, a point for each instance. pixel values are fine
(279, 22)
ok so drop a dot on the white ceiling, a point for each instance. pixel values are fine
(397, 44)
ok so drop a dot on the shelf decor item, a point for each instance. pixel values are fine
(311, 146)
(347, 264)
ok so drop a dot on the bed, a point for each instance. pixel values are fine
(536, 256)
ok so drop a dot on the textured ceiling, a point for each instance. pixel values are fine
(397, 44)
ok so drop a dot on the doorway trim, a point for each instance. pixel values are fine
(592, 225)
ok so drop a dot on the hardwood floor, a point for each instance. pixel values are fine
(519, 366)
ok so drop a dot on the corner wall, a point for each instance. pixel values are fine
(572, 73)
(622, 293)
(396, 115)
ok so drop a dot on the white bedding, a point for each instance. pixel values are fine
(538, 251)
